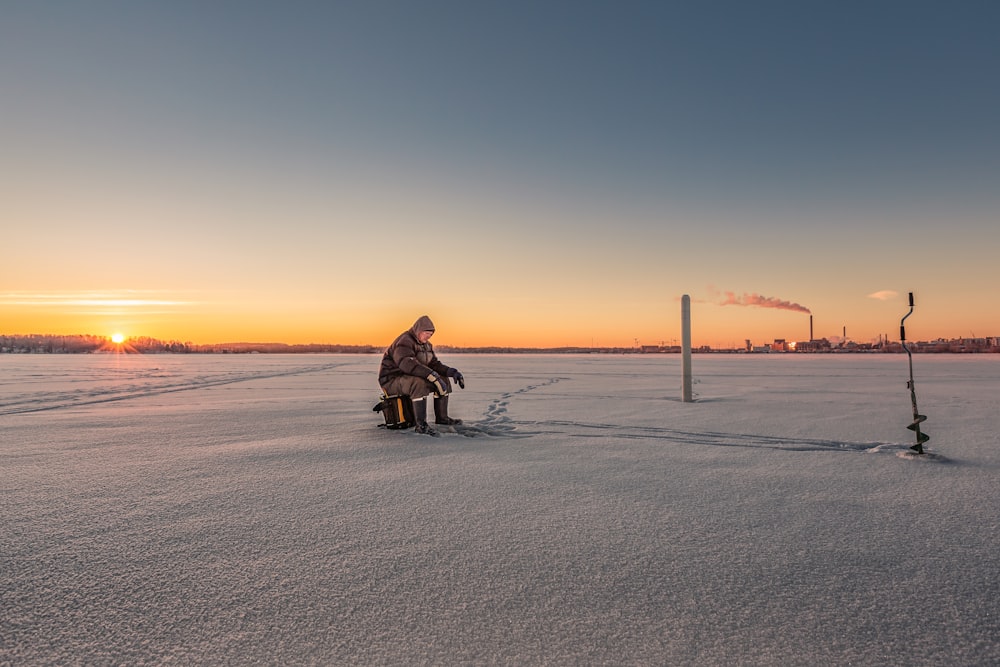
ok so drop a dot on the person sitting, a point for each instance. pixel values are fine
(411, 368)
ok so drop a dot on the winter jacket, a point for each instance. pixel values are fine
(408, 356)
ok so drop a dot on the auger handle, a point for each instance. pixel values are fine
(902, 327)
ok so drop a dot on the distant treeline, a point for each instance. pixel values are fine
(83, 344)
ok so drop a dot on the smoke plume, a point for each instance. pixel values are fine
(731, 299)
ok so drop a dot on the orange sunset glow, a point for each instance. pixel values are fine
(718, 322)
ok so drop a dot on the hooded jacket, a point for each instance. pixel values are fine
(408, 356)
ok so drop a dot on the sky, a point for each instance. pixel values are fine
(527, 174)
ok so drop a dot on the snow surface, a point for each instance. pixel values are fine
(233, 510)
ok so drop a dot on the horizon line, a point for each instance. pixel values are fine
(778, 345)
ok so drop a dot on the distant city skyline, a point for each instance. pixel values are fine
(528, 174)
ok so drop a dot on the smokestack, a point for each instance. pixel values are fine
(811, 329)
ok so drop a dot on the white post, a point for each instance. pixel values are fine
(686, 395)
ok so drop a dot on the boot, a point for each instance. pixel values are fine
(441, 412)
(420, 417)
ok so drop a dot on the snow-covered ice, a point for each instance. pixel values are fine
(247, 510)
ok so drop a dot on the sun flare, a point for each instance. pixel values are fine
(117, 338)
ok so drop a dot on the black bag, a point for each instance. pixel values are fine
(397, 411)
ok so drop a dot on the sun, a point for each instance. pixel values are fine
(117, 338)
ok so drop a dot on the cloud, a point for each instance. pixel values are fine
(884, 295)
(128, 299)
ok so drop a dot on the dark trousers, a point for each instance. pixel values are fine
(412, 386)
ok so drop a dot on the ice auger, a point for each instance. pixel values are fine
(917, 417)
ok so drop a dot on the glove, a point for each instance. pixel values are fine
(440, 384)
(457, 377)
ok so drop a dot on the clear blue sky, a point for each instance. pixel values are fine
(550, 172)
